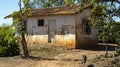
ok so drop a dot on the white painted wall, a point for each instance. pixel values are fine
(37, 32)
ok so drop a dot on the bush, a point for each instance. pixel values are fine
(117, 49)
(8, 44)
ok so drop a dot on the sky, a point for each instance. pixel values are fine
(7, 7)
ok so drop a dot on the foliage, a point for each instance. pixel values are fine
(8, 44)
(18, 22)
(114, 33)
(19, 18)
(102, 18)
(51, 3)
(117, 35)
(117, 49)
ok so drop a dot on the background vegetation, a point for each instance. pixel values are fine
(8, 44)
(114, 35)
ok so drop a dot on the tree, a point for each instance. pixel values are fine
(102, 17)
(43, 3)
(52, 3)
(23, 41)
(18, 22)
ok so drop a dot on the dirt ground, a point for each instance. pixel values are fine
(62, 57)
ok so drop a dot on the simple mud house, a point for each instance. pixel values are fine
(65, 26)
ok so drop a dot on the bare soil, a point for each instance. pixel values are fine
(54, 56)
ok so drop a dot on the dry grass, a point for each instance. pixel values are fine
(46, 51)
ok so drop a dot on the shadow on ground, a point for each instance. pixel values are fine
(37, 58)
(102, 47)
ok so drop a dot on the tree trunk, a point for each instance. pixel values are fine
(23, 41)
(24, 45)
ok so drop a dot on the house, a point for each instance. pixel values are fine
(65, 26)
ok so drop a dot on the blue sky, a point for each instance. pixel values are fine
(7, 7)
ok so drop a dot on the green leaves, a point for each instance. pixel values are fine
(26, 1)
(102, 17)
(26, 4)
(52, 3)
(20, 16)
(8, 44)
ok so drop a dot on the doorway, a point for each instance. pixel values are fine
(52, 28)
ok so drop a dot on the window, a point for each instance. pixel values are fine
(86, 26)
(40, 22)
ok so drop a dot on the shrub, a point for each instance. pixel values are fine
(8, 44)
(117, 49)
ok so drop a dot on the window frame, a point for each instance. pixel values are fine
(40, 22)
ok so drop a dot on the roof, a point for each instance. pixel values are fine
(60, 10)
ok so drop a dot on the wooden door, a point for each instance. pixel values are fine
(52, 28)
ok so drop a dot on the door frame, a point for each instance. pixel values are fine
(49, 35)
